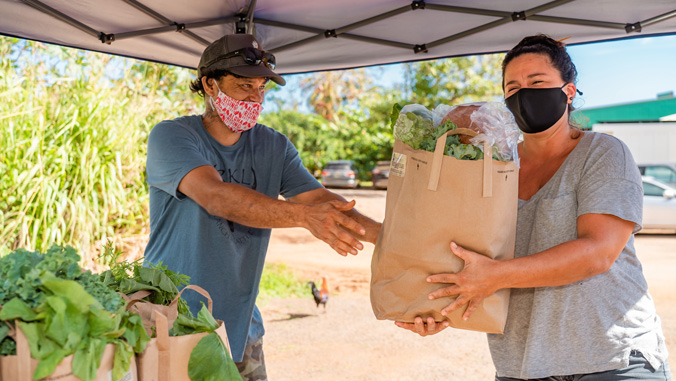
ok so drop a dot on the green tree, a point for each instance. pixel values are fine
(455, 80)
(310, 133)
(330, 91)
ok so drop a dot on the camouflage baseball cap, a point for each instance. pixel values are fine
(239, 54)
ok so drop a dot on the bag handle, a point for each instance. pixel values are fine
(435, 171)
(162, 332)
(163, 354)
(134, 298)
(199, 289)
(137, 295)
(23, 353)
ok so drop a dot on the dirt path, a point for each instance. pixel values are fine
(347, 343)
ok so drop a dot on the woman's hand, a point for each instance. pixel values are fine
(423, 329)
(471, 285)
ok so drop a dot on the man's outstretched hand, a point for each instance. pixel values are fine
(328, 222)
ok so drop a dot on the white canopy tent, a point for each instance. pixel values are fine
(314, 35)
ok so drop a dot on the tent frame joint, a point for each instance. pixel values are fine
(107, 38)
(635, 27)
(330, 33)
(241, 24)
(421, 48)
(418, 4)
(519, 16)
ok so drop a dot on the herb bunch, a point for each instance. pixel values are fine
(128, 277)
(209, 359)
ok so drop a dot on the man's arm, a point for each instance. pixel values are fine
(248, 207)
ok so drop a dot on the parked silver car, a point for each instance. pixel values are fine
(340, 173)
(659, 204)
(664, 172)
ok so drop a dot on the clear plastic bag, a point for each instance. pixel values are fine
(413, 125)
(497, 126)
(493, 120)
(500, 130)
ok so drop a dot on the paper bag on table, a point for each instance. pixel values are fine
(21, 367)
(166, 357)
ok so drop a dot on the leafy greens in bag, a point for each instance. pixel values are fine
(209, 359)
(64, 310)
(420, 128)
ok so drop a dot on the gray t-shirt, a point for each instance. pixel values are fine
(223, 257)
(591, 325)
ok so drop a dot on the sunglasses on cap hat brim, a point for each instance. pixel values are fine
(250, 56)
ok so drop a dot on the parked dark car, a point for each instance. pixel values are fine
(664, 172)
(380, 174)
(340, 174)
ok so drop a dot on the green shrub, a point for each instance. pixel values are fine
(74, 143)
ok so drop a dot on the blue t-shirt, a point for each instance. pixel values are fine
(221, 256)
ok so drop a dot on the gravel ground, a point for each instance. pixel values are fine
(346, 342)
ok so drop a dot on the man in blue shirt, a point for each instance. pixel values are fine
(214, 183)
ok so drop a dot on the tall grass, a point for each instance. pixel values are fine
(72, 162)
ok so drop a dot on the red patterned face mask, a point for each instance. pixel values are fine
(239, 116)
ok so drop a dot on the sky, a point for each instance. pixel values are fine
(609, 73)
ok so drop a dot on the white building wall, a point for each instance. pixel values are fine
(648, 142)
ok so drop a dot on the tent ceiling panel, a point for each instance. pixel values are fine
(310, 35)
(435, 25)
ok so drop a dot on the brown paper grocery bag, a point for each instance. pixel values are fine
(166, 357)
(21, 367)
(433, 199)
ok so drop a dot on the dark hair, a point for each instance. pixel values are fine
(547, 46)
(197, 87)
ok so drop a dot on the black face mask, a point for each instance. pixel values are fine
(535, 110)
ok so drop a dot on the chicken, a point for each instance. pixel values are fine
(321, 296)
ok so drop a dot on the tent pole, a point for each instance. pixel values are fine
(507, 18)
(164, 20)
(659, 18)
(63, 17)
(250, 17)
(373, 19)
(565, 20)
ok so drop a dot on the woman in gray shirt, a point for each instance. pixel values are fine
(579, 306)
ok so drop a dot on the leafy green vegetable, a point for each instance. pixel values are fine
(20, 276)
(7, 345)
(185, 325)
(122, 359)
(63, 310)
(413, 127)
(210, 360)
(394, 114)
(129, 277)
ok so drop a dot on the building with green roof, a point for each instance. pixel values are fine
(661, 109)
(648, 128)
